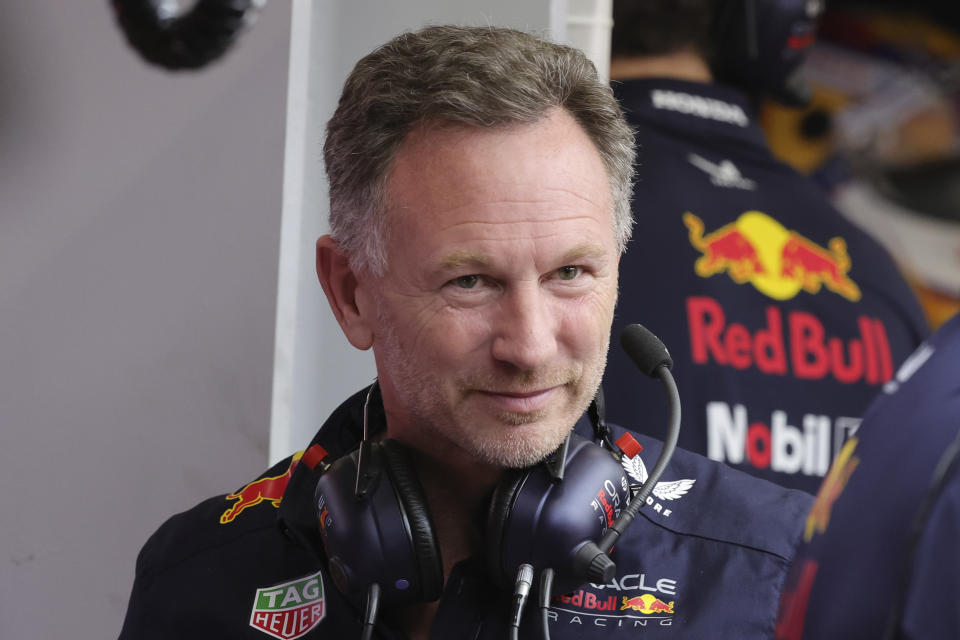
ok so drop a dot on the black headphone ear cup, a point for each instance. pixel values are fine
(498, 518)
(414, 505)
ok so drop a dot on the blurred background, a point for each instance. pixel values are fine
(882, 133)
(139, 236)
(141, 245)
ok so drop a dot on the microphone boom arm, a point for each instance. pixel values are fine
(591, 561)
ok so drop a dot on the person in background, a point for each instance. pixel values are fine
(479, 185)
(880, 556)
(784, 319)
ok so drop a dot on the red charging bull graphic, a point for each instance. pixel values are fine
(813, 265)
(778, 262)
(646, 604)
(269, 489)
(725, 249)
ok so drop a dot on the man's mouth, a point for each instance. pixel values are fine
(522, 401)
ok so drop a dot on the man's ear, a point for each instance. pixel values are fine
(341, 285)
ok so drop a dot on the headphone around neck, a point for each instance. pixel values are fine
(376, 527)
(560, 517)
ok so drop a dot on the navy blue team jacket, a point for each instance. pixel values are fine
(706, 558)
(783, 318)
(880, 551)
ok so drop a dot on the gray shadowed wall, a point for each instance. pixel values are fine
(139, 233)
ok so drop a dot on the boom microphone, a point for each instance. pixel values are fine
(645, 349)
(379, 538)
(652, 357)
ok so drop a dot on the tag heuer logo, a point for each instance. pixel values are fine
(289, 610)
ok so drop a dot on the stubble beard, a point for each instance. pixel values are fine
(506, 442)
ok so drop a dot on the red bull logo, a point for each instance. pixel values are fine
(726, 249)
(605, 507)
(778, 262)
(646, 604)
(607, 502)
(269, 489)
(812, 266)
(796, 343)
(588, 600)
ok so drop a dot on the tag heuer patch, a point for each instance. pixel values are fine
(291, 609)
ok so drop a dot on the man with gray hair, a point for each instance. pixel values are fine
(479, 187)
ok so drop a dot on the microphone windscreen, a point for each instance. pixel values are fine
(645, 349)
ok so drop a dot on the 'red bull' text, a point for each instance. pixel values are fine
(797, 345)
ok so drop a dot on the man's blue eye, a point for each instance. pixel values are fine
(568, 272)
(467, 282)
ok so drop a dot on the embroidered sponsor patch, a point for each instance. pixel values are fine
(269, 489)
(646, 604)
(662, 491)
(723, 174)
(289, 610)
(618, 605)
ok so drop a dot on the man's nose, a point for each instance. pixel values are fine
(525, 328)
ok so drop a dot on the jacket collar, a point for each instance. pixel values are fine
(340, 434)
(690, 109)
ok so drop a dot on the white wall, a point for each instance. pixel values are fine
(139, 234)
